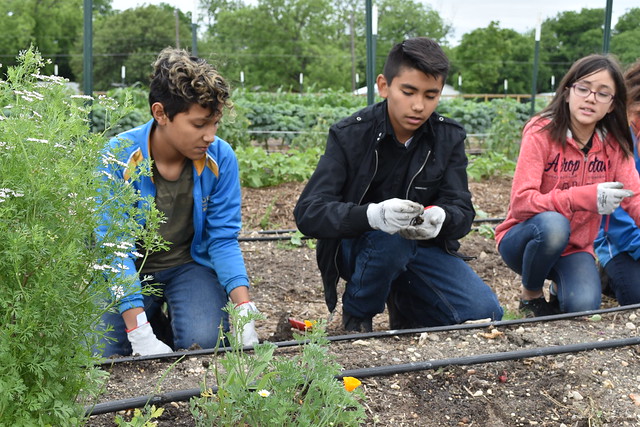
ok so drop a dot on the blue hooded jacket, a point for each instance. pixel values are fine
(216, 209)
(620, 234)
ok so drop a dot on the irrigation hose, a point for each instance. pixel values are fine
(285, 234)
(376, 371)
(293, 230)
(380, 334)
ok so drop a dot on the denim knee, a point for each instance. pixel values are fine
(553, 230)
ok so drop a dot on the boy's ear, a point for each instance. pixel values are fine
(383, 87)
(157, 109)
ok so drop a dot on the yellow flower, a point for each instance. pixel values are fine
(308, 324)
(264, 393)
(351, 383)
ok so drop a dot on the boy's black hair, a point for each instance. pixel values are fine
(420, 53)
(180, 80)
(614, 122)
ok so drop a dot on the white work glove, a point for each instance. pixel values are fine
(432, 219)
(249, 335)
(392, 215)
(144, 342)
(610, 195)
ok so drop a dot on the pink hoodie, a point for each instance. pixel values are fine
(565, 181)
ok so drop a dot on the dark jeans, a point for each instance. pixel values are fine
(195, 300)
(430, 286)
(624, 278)
(533, 249)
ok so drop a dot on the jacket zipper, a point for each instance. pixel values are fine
(406, 196)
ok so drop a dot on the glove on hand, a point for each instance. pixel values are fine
(610, 195)
(392, 215)
(249, 335)
(144, 342)
(432, 219)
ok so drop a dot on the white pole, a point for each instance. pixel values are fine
(374, 23)
(55, 69)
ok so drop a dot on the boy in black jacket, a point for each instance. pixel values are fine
(389, 199)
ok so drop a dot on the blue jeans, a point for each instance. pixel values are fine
(195, 299)
(624, 278)
(533, 249)
(431, 287)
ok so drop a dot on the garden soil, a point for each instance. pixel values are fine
(449, 377)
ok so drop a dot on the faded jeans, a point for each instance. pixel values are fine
(431, 287)
(195, 299)
(533, 249)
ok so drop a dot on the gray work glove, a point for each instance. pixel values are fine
(428, 226)
(144, 342)
(610, 195)
(249, 336)
(392, 215)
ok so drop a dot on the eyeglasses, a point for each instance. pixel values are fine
(584, 92)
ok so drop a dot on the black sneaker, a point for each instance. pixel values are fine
(554, 303)
(536, 307)
(356, 324)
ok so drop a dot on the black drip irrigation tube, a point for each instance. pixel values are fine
(379, 334)
(377, 371)
(285, 234)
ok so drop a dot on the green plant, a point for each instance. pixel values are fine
(52, 269)
(297, 240)
(266, 389)
(506, 129)
(265, 221)
(141, 417)
(261, 169)
(490, 164)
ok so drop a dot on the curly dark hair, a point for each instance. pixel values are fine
(180, 80)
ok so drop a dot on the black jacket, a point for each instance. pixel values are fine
(330, 208)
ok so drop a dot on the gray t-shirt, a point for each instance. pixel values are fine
(175, 200)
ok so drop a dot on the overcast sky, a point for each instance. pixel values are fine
(467, 15)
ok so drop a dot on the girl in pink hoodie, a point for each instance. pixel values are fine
(575, 165)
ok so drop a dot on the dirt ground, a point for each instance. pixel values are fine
(522, 374)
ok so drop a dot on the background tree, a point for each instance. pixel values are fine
(402, 19)
(132, 38)
(51, 25)
(276, 40)
(625, 41)
(486, 57)
(570, 36)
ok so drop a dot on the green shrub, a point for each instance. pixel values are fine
(259, 168)
(51, 270)
(263, 389)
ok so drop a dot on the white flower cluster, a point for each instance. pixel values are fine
(5, 193)
(54, 79)
(117, 291)
(29, 95)
(41, 141)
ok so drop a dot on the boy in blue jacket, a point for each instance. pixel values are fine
(618, 244)
(195, 184)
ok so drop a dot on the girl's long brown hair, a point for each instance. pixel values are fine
(614, 123)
